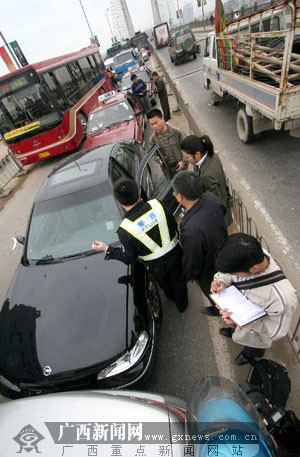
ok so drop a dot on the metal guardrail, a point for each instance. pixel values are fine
(242, 219)
(9, 167)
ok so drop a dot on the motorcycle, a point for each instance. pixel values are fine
(222, 421)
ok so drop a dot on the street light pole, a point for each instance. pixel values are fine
(92, 35)
(111, 32)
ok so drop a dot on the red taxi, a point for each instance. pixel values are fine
(119, 117)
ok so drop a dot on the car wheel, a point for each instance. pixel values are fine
(154, 299)
(195, 56)
(244, 125)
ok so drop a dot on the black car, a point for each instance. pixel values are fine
(72, 320)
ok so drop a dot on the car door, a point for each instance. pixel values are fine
(155, 178)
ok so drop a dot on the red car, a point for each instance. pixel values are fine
(119, 117)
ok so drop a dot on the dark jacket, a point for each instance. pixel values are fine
(213, 180)
(132, 248)
(139, 88)
(203, 233)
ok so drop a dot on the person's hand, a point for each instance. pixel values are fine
(180, 166)
(99, 246)
(225, 314)
(217, 286)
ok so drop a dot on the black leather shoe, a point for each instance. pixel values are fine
(227, 331)
(210, 311)
(241, 359)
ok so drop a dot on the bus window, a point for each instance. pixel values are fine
(86, 68)
(98, 61)
(66, 82)
(54, 89)
(76, 73)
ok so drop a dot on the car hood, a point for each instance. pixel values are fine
(124, 131)
(72, 419)
(64, 316)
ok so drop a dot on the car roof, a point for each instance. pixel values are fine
(124, 52)
(82, 170)
(118, 98)
(134, 70)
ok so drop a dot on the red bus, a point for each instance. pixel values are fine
(44, 106)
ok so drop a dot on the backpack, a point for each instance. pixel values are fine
(272, 378)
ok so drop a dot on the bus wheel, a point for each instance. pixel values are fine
(244, 125)
(83, 121)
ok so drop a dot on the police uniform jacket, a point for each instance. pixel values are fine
(132, 248)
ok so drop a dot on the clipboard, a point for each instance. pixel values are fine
(244, 311)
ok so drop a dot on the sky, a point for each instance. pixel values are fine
(49, 28)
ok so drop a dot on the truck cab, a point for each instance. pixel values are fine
(124, 60)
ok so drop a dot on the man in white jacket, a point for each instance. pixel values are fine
(242, 262)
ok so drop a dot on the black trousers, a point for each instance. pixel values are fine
(169, 274)
(250, 352)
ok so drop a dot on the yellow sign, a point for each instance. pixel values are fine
(21, 130)
(42, 155)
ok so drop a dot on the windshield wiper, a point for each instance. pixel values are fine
(46, 259)
(117, 123)
(79, 254)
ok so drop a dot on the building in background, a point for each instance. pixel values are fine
(121, 19)
(165, 11)
(156, 13)
(187, 13)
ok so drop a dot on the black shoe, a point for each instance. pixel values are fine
(227, 331)
(241, 359)
(182, 308)
(210, 311)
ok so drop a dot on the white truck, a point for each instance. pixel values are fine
(256, 60)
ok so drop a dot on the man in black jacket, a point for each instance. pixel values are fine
(148, 232)
(203, 230)
(161, 90)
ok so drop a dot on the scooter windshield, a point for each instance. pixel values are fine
(222, 421)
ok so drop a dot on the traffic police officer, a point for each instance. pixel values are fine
(148, 232)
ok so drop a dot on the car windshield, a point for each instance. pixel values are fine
(67, 225)
(123, 58)
(126, 80)
(109, 115)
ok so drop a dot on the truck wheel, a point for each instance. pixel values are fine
(213, 97)
(244, 125)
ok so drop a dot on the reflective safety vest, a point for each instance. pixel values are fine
(139, 228)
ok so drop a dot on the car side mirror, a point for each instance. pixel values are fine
(20, 239)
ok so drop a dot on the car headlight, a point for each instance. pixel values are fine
(127, 360)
